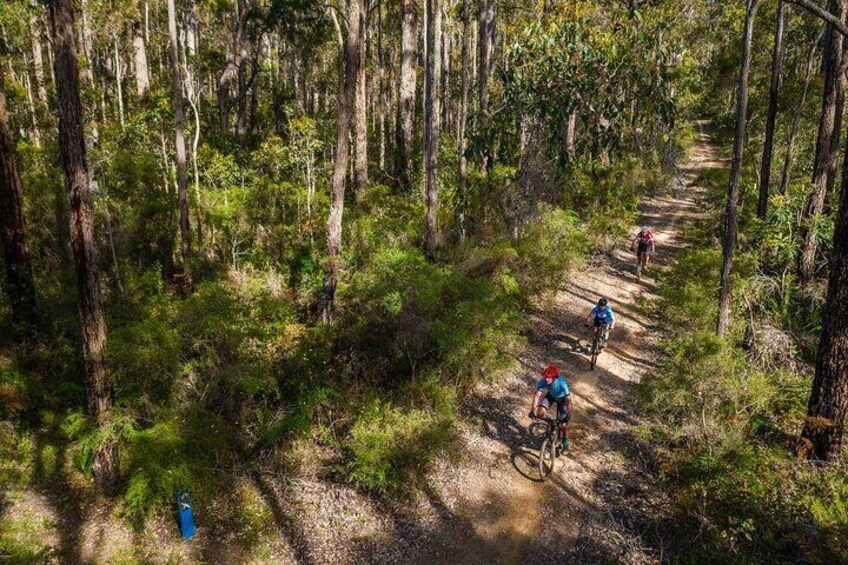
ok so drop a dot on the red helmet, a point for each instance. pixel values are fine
(551, 371)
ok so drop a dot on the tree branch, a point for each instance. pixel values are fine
(821, 13)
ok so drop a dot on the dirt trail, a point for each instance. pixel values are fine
(497, 511)
(600, 505)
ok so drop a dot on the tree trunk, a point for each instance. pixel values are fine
(381, 92)
(235, 56)
(432, 82)
(570, 132)
(406, 93)
(487, 24)
(828, 405)
(824, 166)
(85, 36)
(119, 75)
(463, 121)
(142, 73)
(37, 58)
(19, 280)
(731, 224)
(334, 221)
(360, 111)
(768, 144)
(77, 184)
(182, 183)
(796, 121)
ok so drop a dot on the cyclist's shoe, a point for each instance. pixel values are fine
(564, 444)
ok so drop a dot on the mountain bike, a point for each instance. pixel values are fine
(598, 344)
(551, 445)
(641, 262)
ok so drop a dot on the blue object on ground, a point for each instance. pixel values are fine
(186, 514)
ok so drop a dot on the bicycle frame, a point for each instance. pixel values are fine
(550, 443)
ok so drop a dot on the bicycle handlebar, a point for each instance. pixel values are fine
(557, 420)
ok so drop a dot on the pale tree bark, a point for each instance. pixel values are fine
(142, 72)
(194, 97)
(381, 89)
(236, 53)
(796, 120)
(326, 303)
(731, 221)
(37, 58)
(445, 102)
(823, 430)
(406, 93)
(182, 183)
(570, 133)
(85, 35)
(824, 166)
(78, 185)
(119, 76)
(486, 40)
(17, 259)
(360, 110)
(33, 111)
(771, 118)
(463, 122)
(432, 82)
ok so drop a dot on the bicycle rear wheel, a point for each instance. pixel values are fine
(547, 457)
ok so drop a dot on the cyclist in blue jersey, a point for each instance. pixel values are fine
(553, 389)
(601, 315)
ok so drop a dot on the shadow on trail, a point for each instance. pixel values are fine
(287, 524)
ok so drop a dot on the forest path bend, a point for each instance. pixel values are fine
(492, 507)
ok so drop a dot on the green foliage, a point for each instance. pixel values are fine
(567, 63)
(18, 546)
(174, 453)
(722, 421)
(392, 446)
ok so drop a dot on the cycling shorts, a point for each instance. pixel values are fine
(561, 404)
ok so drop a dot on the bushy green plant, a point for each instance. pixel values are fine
(176, 452)
(392, 445)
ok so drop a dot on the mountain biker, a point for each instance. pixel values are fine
(644, 244)
(601, 314)
(553, 389)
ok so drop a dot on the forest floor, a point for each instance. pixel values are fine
(602, 503)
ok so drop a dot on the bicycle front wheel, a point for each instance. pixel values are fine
(594, 355)
(546, 458)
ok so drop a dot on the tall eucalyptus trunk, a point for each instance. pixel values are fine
(824, 166)
(326, 304)
(432, 82)
(78, 185)
(771, 118)
(177, 93)
(406, 93)
(731, 225)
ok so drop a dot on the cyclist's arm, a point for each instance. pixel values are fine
(536, 398)
(612, 320)
(568, 403)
